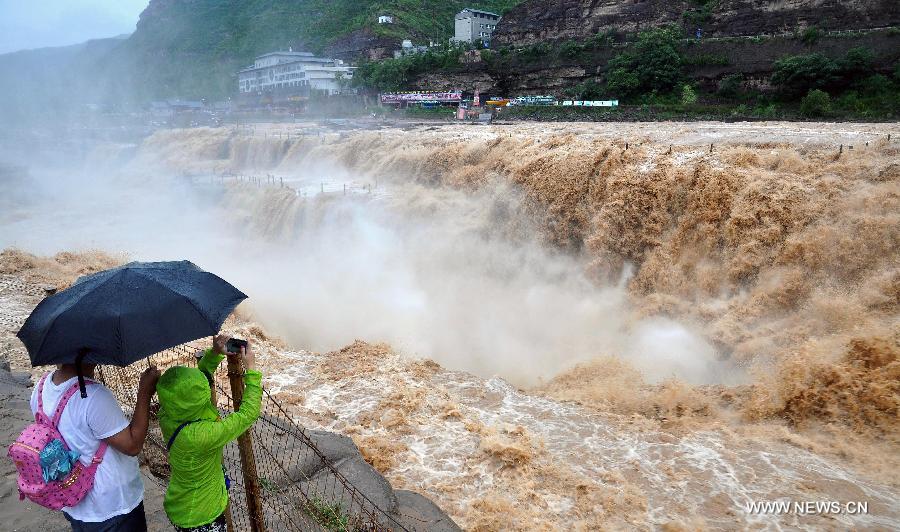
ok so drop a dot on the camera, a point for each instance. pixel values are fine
(234, 345)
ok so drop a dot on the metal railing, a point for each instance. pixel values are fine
(280, 479)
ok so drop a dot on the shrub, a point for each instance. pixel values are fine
(850, 101)
(700, 15)
(707, 60)
(688, 95)
(588, 90)
(815, 103)
(604, 38)
(730, 85)
(811, 35)
(571, 49)
(766, 111)
(329, 516)
(874, 85)
(740, 111)
(536, 51)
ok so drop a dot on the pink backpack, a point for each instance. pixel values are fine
(25, 452)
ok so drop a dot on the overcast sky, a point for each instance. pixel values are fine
(39, 23)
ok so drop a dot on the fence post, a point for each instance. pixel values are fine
(245, 446)
(215, 401)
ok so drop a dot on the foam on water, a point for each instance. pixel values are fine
(713, 473)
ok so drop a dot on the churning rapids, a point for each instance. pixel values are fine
(554, 331)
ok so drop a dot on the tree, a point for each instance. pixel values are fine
(857, 63)
(815, 103)
(654, 64)
(798, 74)
(588, 90)
(342, 80)
(390, 75)
(622, 81)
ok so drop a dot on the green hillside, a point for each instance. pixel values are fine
(191, 49)
(246, 27)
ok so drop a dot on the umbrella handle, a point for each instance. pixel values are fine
(78, 359)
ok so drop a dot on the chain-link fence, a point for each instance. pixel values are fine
(280, 481)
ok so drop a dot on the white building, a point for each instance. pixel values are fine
(475, 26)
(301, 71)
(386, 19)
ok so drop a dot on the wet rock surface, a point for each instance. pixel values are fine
(416, 512)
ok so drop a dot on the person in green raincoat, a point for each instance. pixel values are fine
(190, 423)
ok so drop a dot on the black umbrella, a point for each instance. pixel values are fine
(122, 315)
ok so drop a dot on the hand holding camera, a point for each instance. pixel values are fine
(235, 347)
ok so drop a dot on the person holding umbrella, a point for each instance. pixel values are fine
(80, 454)
(96, 426)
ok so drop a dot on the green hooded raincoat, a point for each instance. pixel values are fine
(196, 494)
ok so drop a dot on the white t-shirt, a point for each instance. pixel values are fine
(118, 488)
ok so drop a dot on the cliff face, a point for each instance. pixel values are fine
(363, 43)
(539, 20)
(751, 58)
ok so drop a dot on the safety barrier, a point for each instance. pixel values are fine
(280, 479)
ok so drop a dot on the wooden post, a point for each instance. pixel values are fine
(215, 401)
(245, 446)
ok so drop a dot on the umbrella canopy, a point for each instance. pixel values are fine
(122, 315)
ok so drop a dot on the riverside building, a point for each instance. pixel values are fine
(475, 26)
(292, 76)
